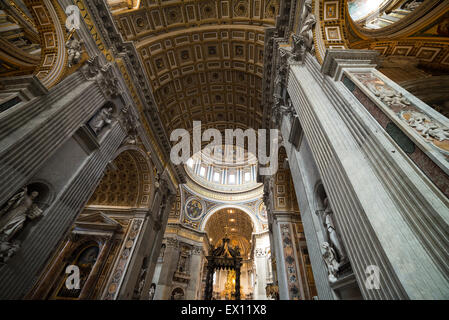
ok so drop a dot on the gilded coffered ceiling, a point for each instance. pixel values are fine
(419, 31)
(204, 59)
(126, 183)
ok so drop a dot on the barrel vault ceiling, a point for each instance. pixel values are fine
(204, 58)
(231, 223)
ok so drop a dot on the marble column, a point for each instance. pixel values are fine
(261, 273)
(194, 270)
(168, 269)
(368, 179)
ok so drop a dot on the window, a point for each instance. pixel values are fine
(247, 176)
(216, 177)
(232, 178)
(202, 171)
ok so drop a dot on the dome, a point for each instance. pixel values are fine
(362, 9)
(229, 169)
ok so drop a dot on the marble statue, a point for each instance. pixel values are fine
(157, 180)
(332, 237)
(102, 119)
(143, 273)
(299, 47)
(330, 258)
(130, 123)
(74, 50)
(182, 263)
(20, 207)
(13, 216)
(307, 26)
(152, 291)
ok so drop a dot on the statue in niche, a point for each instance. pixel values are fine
(162, 253)
(330, 257)
(152, 291)
(74, 50)
(102, 119)
(182, 264)
(183, 260)
(143, 273)
(331, 234)
(334, 254)
(13, 216)
(157, 180)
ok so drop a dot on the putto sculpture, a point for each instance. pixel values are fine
(74, 50)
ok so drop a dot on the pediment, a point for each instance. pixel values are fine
(97, 220)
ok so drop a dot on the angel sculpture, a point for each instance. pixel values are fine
(219, 250)
(74, 51)
(438, 133)
(235, 252)
(421, 124)
(12, 219)
(102, 119)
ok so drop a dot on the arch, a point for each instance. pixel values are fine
(46, 192)
(177, 294)
(48, 18)
(135, 176)
(319, 195)
(417, 35)
(252, 215)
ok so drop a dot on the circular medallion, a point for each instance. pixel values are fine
(194, 208)
(262, 211)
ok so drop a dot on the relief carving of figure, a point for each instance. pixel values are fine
(102, 119)
(427, 128)
(13, 216)
(74, 50)
(389, 96)
(412, 5)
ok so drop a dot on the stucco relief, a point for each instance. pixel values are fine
(431, 130)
